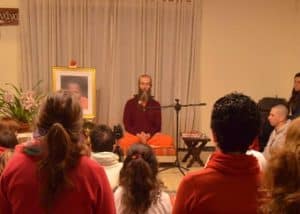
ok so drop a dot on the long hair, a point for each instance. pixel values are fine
(294, 100)
(138, 177)
(60, 122)
(281, 185)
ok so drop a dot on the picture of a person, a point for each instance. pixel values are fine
(78, 86)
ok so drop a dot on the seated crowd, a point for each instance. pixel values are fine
(61, 171)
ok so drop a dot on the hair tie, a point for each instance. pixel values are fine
(136, 156)
(39, 132)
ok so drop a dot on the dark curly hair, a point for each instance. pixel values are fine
(235, 122)
(138, 177)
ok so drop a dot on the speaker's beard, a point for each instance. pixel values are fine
(144, 97)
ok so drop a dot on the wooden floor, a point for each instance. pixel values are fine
(172, 177)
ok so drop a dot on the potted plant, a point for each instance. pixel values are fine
(20, 105)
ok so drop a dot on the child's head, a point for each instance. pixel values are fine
(138, 178)
(8, 139)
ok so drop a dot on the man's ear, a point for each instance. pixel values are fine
(214, 137)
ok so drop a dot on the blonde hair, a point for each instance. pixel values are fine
(293, 133)
(281, 180)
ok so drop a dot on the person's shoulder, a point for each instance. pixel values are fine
(19, 162)
(154, 101)
(132, 100)
(164, 195)
(165, 200)
(197, 176)
(196, 181)
(272, 135)
(90, 166)
(85, 160)
(254, 153)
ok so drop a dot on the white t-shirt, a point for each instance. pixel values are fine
(162, 206)
(262, 163)
(111, 165)
(276, 140)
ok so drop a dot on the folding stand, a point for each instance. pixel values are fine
(177, 108)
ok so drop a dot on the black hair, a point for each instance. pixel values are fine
(235, 121)
(102, 138)
(8, 139)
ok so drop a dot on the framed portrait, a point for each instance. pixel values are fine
(81, 81)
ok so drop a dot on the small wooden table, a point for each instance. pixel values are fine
(195, 147)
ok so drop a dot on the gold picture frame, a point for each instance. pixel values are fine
(81, 81)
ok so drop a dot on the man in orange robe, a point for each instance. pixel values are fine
(142, 119)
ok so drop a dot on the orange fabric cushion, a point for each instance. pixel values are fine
(161, 143)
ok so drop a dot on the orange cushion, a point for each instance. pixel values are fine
(161, 143)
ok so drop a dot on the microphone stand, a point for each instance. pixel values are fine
(177, 108)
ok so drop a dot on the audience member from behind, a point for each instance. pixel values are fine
(51, 172)
(294, 101)
(278, 118)
(7, 123)
(102, 142)
(281, 179)
(8, 140)
(229, 182)
(140, 189)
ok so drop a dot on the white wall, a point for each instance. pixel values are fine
(250, 46)
(9, 48)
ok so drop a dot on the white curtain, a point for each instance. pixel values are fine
(121, 39)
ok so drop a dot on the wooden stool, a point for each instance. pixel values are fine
(195, 147)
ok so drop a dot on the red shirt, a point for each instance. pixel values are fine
(228, 184)
(255, 144)
(19, 188)
(137, 119)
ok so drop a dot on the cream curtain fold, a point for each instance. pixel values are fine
(121, 39)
